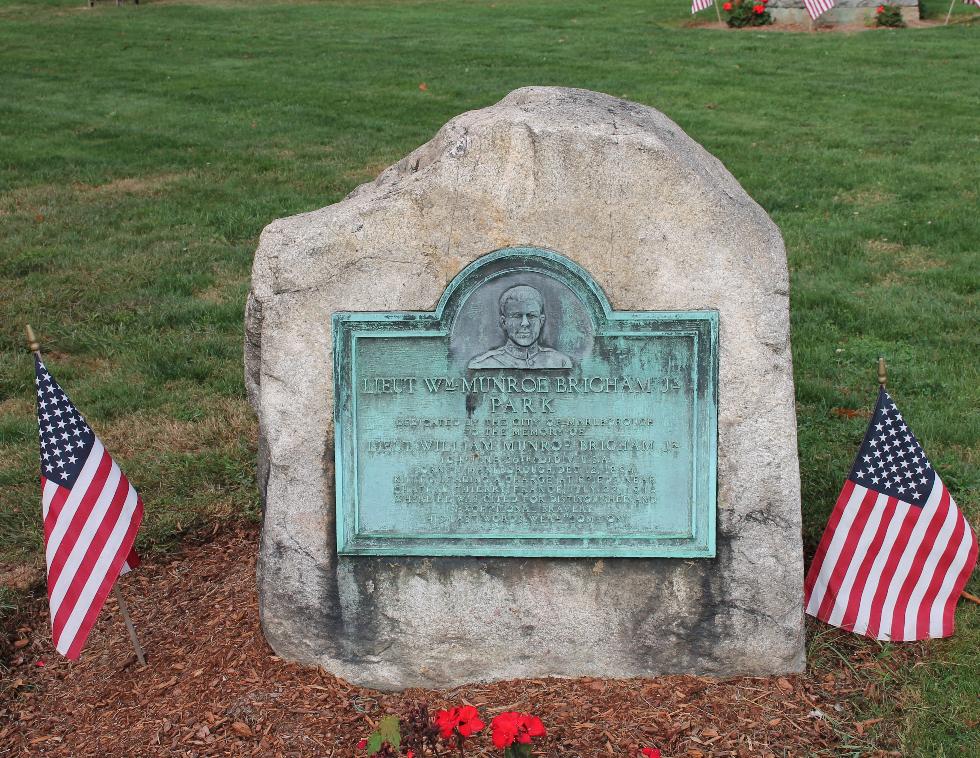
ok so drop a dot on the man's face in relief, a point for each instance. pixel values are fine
(522, 320)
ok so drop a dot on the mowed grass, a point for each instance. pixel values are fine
(143, 149)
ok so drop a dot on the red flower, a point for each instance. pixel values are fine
(362, 744)
(410, 754)
(511, 726)
(880, 9)
(532, 727)
(466, 719)
(650, 752)
(726, 7)
(503, 729)
(758, 9)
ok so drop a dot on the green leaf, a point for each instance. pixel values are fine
(389, 730)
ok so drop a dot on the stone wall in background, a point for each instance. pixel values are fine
(843, 12)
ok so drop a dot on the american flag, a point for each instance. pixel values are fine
(897, 552)
(91, 514)
(700, 5)
(818, 7)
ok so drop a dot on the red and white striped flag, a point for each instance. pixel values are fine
(91, 514)
(818, 7)
(700, 5)
(897, 552)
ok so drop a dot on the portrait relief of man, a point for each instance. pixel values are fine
(522, 317)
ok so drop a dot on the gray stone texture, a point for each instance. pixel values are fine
(843, 12)
(661, 225)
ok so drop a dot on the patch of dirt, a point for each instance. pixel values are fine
(884, 246)
(16, 406)
(898, 261)
(20, 578)
(34, 200)
(229, 422)
(214, 687)
(217, 3)
(88, 364)
(865, 197)
(367, 173)
(134, 185)
(227, 286)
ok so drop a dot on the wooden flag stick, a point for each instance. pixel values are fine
(32, 343)
(970, 597)
(949, 12)
(124, 610)
(35, 348)
(718, 10)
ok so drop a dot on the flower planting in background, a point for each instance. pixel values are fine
(450, 730)
(739, 13)
(889, 15)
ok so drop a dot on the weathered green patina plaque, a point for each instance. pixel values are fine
(525, 417)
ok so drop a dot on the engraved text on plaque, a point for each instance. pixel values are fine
(525, 417)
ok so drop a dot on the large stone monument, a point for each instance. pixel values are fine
(526, 408)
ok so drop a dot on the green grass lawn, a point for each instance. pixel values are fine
(143, 149)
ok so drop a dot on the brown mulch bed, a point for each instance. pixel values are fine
(214, 687)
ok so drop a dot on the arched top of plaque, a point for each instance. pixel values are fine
(524, 416)
(530, 260)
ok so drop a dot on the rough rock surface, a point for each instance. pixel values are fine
(843, 12)
(661, 225)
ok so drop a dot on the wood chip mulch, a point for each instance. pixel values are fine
(214, 687)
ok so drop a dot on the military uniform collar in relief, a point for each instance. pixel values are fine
(526, 354)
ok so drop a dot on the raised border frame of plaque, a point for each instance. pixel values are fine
(657, 369)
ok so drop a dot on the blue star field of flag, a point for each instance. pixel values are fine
(66, 439)
(891, 460)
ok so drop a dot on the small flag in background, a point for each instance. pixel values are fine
(91, 514)
(700, 5)
(897, 552)
(818, 7)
